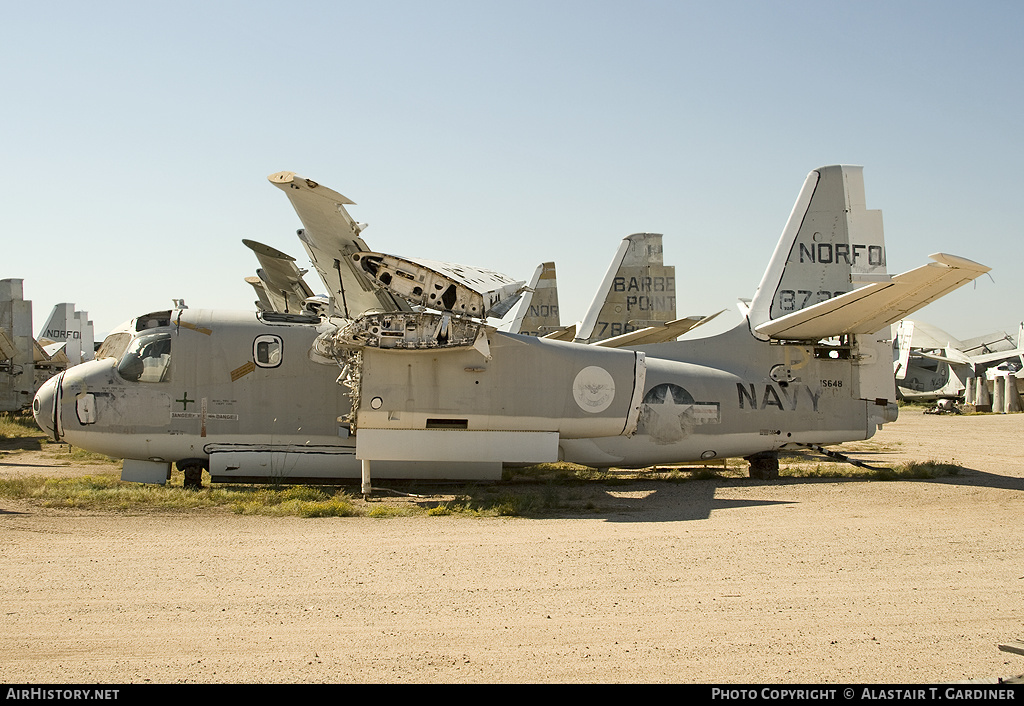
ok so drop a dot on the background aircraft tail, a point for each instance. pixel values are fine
(537, 314)
(638, 291)
(71, 327)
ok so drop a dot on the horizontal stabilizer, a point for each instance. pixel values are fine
(563, 334)
(875, 306)
(955, 357)
(50, 353)
(996, 355)
(669, 331)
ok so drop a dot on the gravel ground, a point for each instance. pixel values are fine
(716, 581)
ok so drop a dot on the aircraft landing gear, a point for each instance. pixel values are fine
(763, 466)
(193, 471)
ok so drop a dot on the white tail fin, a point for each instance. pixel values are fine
(638, 291)
(73, 327)
(537, 314)
(828, 276)
(831, 245)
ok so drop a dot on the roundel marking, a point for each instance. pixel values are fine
(593, 389)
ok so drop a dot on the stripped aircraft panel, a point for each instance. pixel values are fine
(443, 286)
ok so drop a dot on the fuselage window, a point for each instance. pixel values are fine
(267, 351)
(148, 359)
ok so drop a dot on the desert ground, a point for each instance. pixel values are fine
(708, 581)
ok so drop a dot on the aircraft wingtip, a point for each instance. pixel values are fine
(281, 177)
(959, 262)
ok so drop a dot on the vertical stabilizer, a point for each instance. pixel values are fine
(904, 338)
(73, 327)
(831, 245)
(638, 291)
(17, 369)
(538, 310)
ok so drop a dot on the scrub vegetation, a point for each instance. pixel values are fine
(519, 497)
(534, 491)
(17, 426)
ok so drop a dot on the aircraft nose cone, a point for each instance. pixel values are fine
(42, 406)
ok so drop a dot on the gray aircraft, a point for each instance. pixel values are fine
(932, 365)
(400, 376)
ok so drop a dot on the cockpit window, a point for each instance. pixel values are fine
(157, 318)
(147, 359)
(114, 345)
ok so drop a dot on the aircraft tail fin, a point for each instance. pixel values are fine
(73, 328)
(637, 291)
(830, 245)
(537, 314)
(828, 277)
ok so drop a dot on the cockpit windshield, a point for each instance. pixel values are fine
(148, 359)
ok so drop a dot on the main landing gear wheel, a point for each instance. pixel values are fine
(193, 475)
(764, 466)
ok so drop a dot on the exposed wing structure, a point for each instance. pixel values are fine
(331, 237)
(278, 281)
(875, 306)
(669, 331)
(443, 286)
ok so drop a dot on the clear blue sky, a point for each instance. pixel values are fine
(137, 138)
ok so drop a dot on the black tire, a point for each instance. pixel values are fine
(764, 467)
(193, 476)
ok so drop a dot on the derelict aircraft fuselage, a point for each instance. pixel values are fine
(442, 395)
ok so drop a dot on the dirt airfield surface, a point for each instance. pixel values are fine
(711, 581)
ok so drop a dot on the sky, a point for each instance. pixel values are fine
(137, 138)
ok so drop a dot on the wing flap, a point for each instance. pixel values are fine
(279, 278)
(873, 307)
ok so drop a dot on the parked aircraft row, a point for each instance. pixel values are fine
(930, 364)
(396, 372)
(26, 362)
